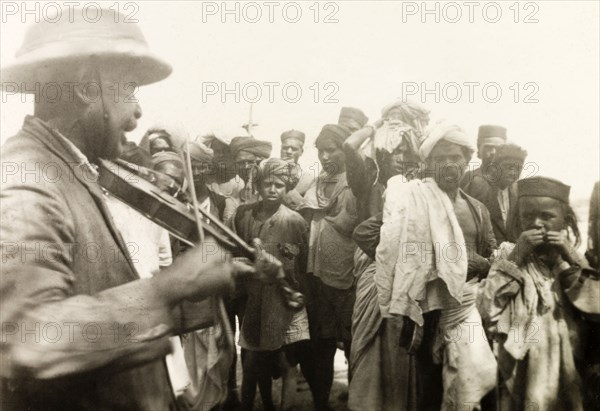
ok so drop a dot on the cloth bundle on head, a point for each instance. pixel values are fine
(333, 132)
(511, 151)
(293, 135)
(163, 156)
(211, 138)
(352, 117)
(543, 187)
(444, 131)
(412, 113)
(199, 152)
(391, 134)
(491, 134)
(259, 148)
(284, 170)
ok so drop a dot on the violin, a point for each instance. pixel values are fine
(133, 185)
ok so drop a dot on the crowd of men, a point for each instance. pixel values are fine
(446, 289)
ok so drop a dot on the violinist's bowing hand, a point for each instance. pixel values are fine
(268, 268)
(243, 269)
(200, 272)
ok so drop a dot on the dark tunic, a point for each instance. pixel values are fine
(284, 235)
(478, 187)
(67, 268)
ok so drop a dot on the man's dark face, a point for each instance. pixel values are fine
(272, 190)
(543, 213)
(291, 150)
(246, 164)
(332, 157)
(203, 172)
(171, 169)
(486, 152)
(447, 164)
(403, 161)
(508, 169)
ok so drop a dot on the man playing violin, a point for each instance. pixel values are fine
(81, 328)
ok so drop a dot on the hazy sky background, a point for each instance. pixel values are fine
(370, 53)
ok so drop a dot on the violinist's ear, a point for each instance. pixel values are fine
(88, 87)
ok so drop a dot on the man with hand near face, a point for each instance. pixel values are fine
(538, 302)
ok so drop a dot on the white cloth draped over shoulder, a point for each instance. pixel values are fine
(422, 257)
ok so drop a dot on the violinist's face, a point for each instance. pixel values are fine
(120, 112)
(272, 190)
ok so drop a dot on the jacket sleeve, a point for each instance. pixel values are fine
(47, 329)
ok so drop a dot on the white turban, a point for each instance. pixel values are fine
(442, 131)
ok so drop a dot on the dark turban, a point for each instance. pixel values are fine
(333, 132)
(283, 170)
(259, 148)
(163, 156)
(543, 187)
(353, 117)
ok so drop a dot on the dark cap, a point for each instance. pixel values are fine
(349, 115)
(491, 132)
(543, 187)
(333, 132)
(293, 134)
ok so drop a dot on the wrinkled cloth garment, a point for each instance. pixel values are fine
(390, 135)
(383, 373)
(529, 312)
(208, 354)
(331, 249)
(267, 318)
(470, 368)
(150, 249)
(422, 255)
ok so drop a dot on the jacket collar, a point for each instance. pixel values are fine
(81, 168)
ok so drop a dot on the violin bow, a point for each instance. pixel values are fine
(217, 302)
